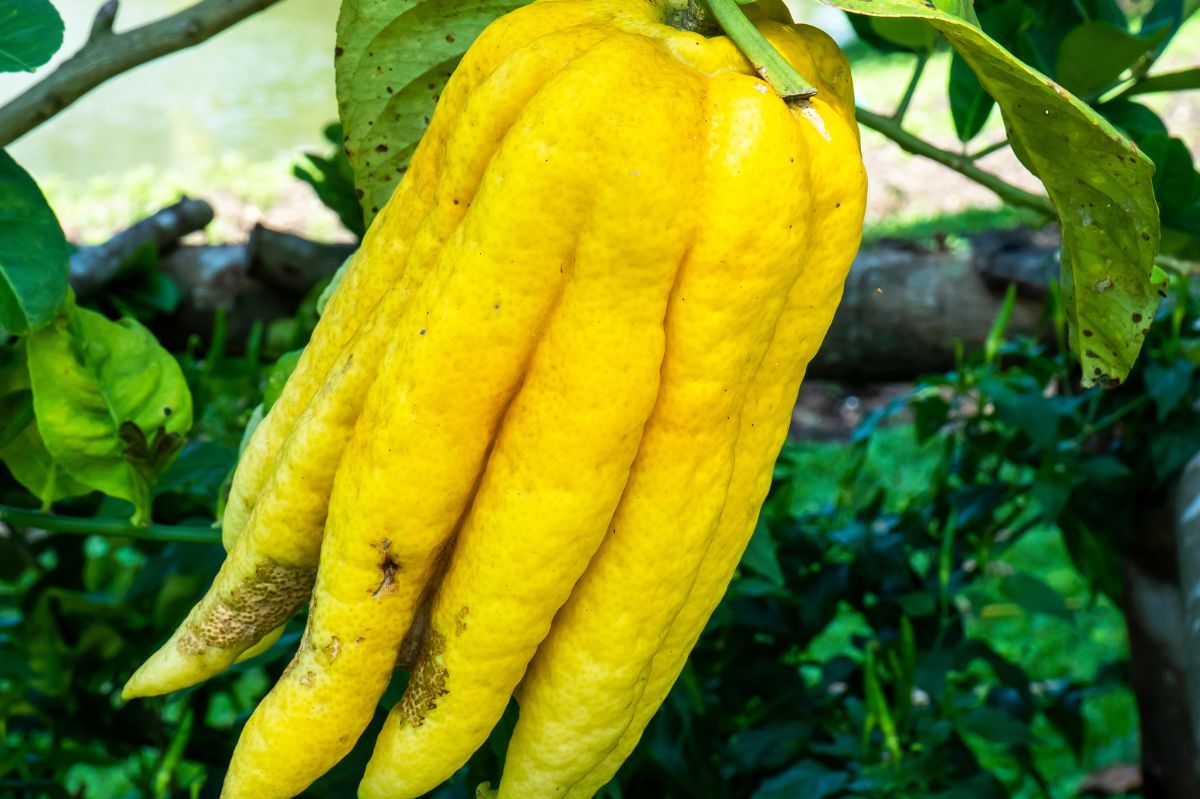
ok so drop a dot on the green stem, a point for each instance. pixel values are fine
(111, 528)
(986, 151)
(1013, 195)
(911, 90)
(774, 68)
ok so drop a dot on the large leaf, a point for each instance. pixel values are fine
(21, 447)
(1181, 81)
(33, 253)
(111, 404)
(1101, 184)
(970, 105)
(1093, 55)
(30, 32)
(392, 59)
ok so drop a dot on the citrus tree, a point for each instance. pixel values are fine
(107, 434)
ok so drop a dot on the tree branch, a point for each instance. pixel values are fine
(106, 54)
(93, 267)
(911, 90)
(1013, 195)
(112, 528)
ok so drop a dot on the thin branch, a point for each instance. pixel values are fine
(1013, 195)
(986, 151)
(110, 528)
(107, 54)
(911, 90)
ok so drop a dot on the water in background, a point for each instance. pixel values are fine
(259, 90)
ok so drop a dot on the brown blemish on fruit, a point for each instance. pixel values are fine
(460, 620)
(333, 648)
(388, 566)
(426, 685)
(254, 608)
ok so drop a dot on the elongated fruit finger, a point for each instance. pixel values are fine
(379, 262)
(260, 586)
(580, 691)
(562, 458)
(838, 184)
(459, 357)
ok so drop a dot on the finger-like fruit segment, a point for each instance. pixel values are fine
(285, 525)
(839, 199)
(502, 290)
(562, 457)
(581, 689)
(377, 265)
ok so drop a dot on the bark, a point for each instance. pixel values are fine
(905, 309)
(1187, 525)
(1153, 606)
(93, 267)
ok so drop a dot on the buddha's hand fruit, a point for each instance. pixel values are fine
(534, 429)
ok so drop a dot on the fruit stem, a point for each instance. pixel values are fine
(773, 67)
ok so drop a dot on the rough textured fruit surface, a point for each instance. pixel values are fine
(531, 437)
(278, 504)
(582, 689)
(839, 200)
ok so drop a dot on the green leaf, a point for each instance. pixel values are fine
(808, 778)
(33, 252)
(1176, 182)
(1035, 596)
(995, 725)
(1101, 184)
(1181, 81)
(34, 467)
(21, 447)
(30, 32)
(334, 282)
(332, 180)
(911, 34)
(392, 59)
(1093, 55)
(111, 404)
(278, 377)
(761, 556)
(1167, 384)
(970, 105)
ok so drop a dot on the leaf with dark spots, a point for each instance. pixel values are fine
(1102, 186)
(396, 57)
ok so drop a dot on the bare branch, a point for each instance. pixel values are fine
(107, 54)
(93, 267)
(292, 264)
(1013, 195)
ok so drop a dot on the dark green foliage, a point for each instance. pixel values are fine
(333, 181)
(853, 654)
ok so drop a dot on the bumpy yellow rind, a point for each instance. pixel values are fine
(582, 687)
(272, 564)
(839, 200)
